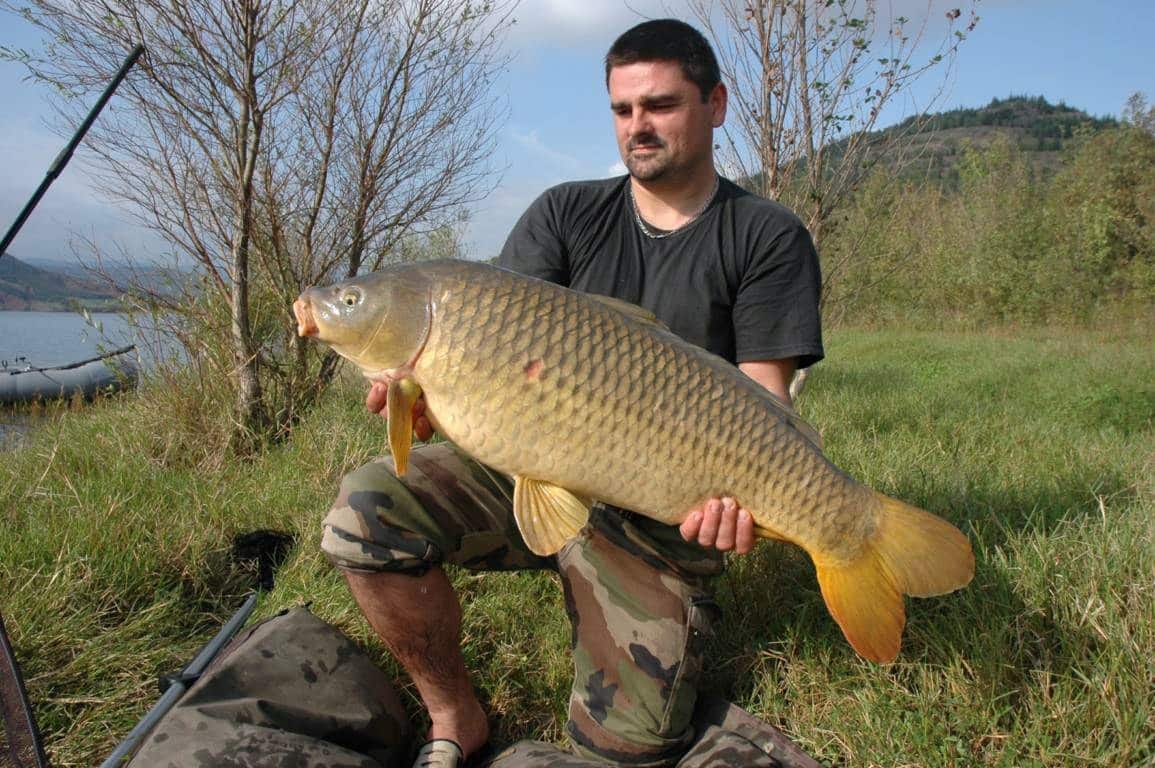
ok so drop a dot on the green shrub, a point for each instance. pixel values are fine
(1009, 244)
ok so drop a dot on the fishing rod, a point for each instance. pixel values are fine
(62, 159)
(28, 368)
(20, 744)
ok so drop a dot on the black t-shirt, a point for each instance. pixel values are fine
(741, 280)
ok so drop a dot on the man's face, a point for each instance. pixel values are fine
(664, 129)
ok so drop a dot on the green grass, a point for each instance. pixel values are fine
(1040, 445)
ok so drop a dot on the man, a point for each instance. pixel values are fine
(725, 269)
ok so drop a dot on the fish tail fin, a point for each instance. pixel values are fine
(912, 552)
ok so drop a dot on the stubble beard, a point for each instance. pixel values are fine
(658, 165)
(651, 167)
(647, 170)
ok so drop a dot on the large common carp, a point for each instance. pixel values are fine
(582, 397)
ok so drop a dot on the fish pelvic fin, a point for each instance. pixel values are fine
(547, 515)
(403, 393)
(911, 552)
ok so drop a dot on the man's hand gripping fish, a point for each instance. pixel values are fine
(582, 397)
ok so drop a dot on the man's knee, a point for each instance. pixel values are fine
(372, 524)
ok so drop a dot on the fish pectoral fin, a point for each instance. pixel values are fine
(403, 393)
(547, 515)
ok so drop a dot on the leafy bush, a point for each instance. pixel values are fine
(1010, 244)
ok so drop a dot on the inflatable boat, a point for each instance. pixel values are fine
(110, 372)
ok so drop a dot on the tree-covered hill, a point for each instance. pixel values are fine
(1039, 124)
(25, 287)
(934, 143)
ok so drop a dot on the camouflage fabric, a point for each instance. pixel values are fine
(294, 692)
(635, 592)
(449, 508)
(747, 742)
(716, 749)
(290, 691)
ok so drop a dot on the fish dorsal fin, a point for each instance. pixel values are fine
(547, 515)
(803, 426)
(807, 431)
(403, 393)
(629, 309)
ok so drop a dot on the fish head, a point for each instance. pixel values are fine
(378, 321)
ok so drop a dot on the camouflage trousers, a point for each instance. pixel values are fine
(634, 590)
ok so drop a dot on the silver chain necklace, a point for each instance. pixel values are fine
(657, 234)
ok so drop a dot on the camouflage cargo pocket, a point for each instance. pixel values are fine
(639, 630)
(702, 616)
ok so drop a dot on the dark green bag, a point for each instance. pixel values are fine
(290, 692)
(293, 692)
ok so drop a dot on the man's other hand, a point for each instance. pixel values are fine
(378, 399)
(720, 523)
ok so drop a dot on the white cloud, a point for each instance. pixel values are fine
(532, 143)
(617, 169)
(574, 23)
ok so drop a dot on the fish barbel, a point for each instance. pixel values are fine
(582, 397)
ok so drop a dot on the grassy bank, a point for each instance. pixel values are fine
(114, 566)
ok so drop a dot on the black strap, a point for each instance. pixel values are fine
(19, 739)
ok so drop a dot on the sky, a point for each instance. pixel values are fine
(1091, 56)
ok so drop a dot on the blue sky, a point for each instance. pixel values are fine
(1089, 55)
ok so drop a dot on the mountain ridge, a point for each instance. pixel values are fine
(1036, 127)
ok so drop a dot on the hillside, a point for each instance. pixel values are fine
(1035, 122)
(26, 287)
(1039, 129)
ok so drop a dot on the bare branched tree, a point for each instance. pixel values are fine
(808, 81)
(276, 144)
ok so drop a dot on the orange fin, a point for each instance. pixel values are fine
(862, 598)
(912, 552)
(403, 393)
(547, 515)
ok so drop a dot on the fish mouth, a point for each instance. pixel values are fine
(303, 311)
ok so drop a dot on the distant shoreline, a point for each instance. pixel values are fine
(110, 309)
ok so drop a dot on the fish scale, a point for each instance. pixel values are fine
(663, 449)
(579, 397)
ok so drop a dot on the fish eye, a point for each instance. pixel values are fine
(351, 297)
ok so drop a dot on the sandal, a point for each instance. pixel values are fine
(439, 753)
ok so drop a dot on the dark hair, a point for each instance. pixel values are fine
(668, 40)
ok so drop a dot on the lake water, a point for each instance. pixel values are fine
(53, 338)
